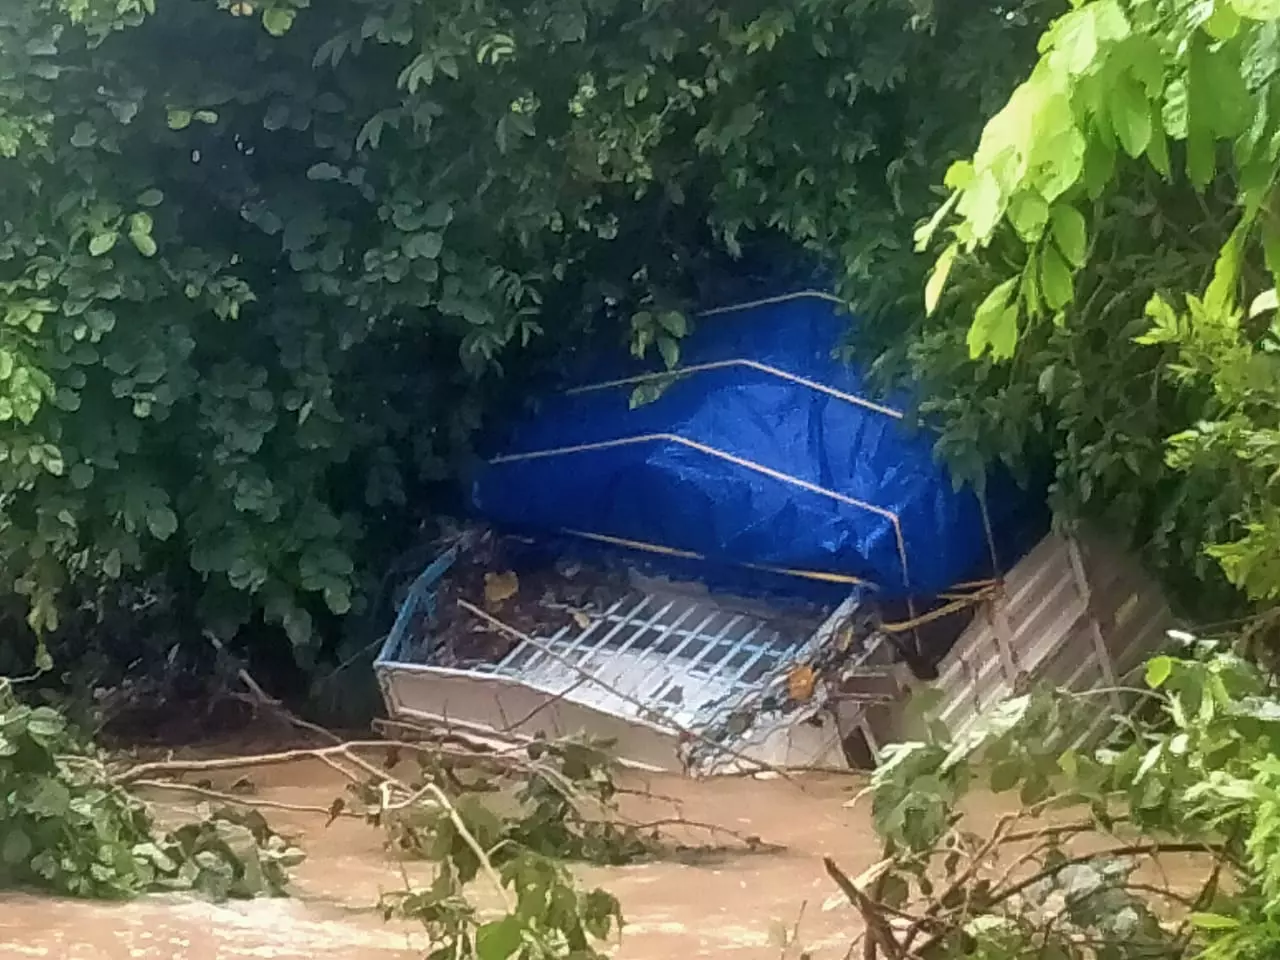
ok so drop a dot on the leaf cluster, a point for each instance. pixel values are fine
(66, 827)
(1103, 295)
(1074, 871)
(554, 811)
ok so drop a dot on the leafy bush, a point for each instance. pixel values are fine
(66, 827)
(1077, 869)
(563, 810)
(1105, 285)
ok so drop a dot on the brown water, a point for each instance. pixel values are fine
(737, 903)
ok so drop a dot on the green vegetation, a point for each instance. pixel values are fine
(564, 801)
(1104, 286)
(1161, 844)
(67, 827)
(256, 300)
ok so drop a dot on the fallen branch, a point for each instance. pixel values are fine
(325, 755)
(879, 933)
(260, 696)
(750, 841)
(239, 800)
(961, 879)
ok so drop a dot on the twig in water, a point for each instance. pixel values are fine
(879, 934)
(327, 755)
(546, 704)
(239, 800)
(747, 840)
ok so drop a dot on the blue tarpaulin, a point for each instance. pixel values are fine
(766, 452)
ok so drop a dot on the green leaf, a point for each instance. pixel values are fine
(995, 324)
(1070, 234)
(162, 522)
(179, 119)
(1098, 166)
(337, 597)
(1257, 9)
(1005, 776)
(1055, 278)
(1271, 247)
(16, 848)
(437, 215)
(1220, 295)
(1158, 671)
(426, 246)
(51, 799)
(670, 350)
(1212, 921)
(81, 476)
(278, 20)
(1223, 24)
(140, 223)
(1131, 116)
(499, 939)
(673, 321)
(324, 171)
(937, 281)
(84, 135)
(102, 243)
(145, 244)
(1028, 213)
(150, 198)
(1158, 148)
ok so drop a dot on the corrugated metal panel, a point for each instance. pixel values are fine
(1052, 625)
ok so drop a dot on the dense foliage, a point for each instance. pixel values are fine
(1104, 284)
(468, 826)
(254, 296)
(65, 826)
(1161, 844)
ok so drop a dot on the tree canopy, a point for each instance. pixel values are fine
(265, 268)
(1104, 284)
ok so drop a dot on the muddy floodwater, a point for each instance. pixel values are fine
(735, 904)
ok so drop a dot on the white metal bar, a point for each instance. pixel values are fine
(701, 659)
(591, 628)
(696, 634)
(662, 636)
(540, 651)
(508, 663)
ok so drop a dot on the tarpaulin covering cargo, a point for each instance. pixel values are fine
(764, 451)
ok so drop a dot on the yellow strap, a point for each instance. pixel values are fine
(945, 610)
(688, 555)
(636, 545)
(731, 458)
(749, 364)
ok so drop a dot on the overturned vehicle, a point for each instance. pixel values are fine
(754, 567)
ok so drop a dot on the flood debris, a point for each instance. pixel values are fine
(752, 571)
